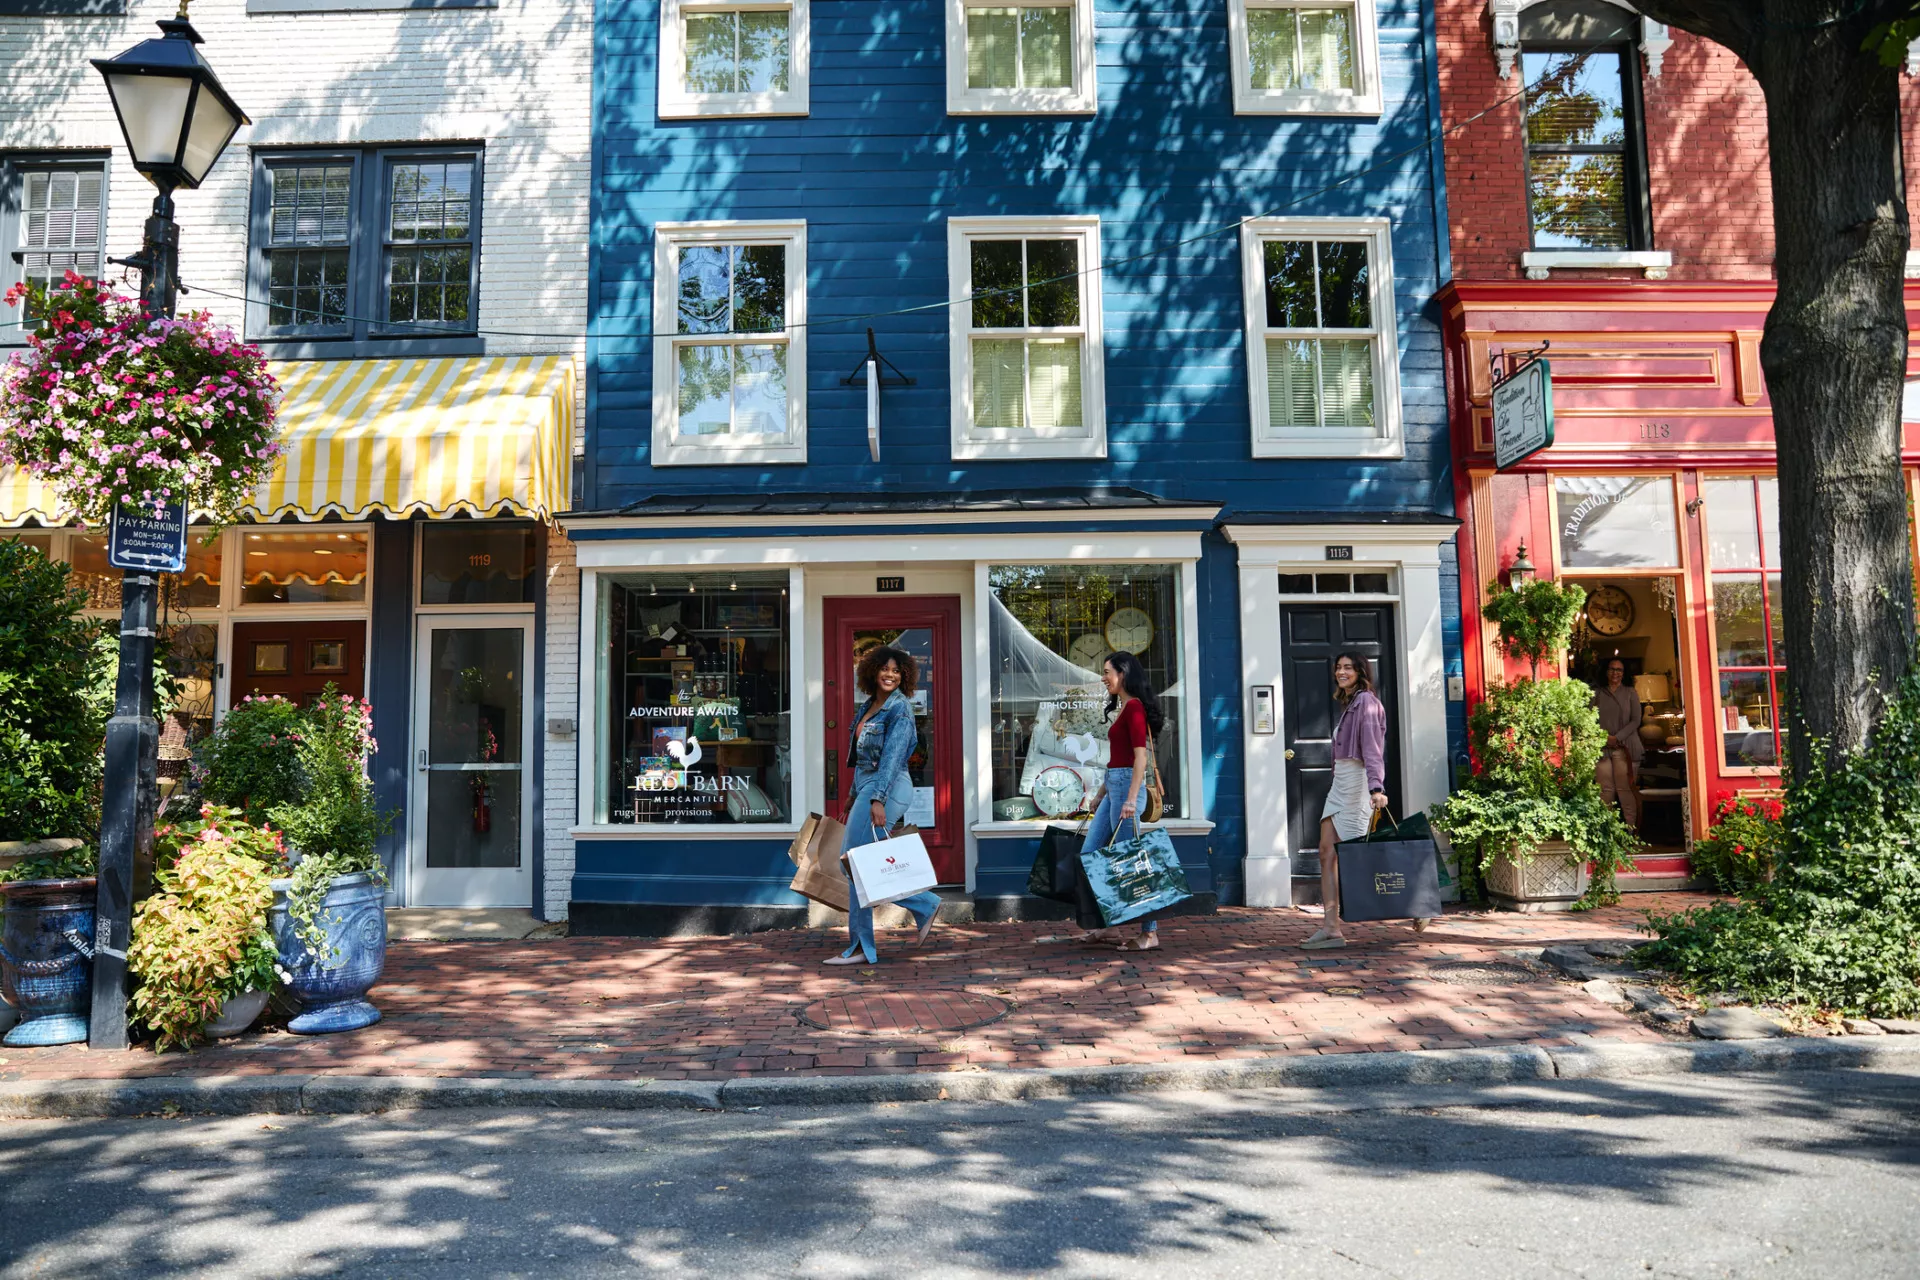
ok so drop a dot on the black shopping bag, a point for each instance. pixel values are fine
(1057, 869)
(1389, 880)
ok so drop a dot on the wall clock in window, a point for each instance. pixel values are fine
(1609, 611)
(1129, 629)
(1059, 791)
(1089, 651)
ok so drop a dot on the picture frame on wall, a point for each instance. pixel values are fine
(269, 658)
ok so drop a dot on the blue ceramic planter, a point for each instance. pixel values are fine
(331, 987)
(46, 959)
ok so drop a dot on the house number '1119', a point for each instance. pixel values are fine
(479, 561)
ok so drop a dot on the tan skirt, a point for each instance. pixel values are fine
(1348, 802)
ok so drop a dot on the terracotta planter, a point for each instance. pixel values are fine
(1552, 879)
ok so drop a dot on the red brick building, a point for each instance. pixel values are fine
(1609, 194)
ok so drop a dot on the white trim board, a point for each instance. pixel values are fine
(859, 550)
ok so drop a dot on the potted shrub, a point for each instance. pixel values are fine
(1528, 818)
(329, 918)
(1743, 846)
(250, 762)
(201, 949)
(46, 945)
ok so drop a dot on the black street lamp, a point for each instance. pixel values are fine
(177, 120)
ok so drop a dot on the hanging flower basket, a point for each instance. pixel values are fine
(109, 405)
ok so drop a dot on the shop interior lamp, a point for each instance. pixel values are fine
(1652, 688)
(175, 115)
(1521, 571)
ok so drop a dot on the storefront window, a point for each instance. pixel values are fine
(475, 562)
(698, 712)
(39, 540)
(1051, 628)
(320, 565)
(1743, 559)
(1616, 522)
(197, 588)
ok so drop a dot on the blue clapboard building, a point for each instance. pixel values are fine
(1009, 334)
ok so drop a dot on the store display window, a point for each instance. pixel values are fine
(1051, 628)
(318, 565)
(197, 588)
(1743, 563)
(698, 715)
(1616, 522)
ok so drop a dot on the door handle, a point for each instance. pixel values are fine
(1289, 753)
(423, 758)
(830, 724)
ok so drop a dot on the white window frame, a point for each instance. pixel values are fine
(669, 449)
(1364, 100)
(1089, 440)
(1387, 439)
(1080, 98)
(679, 103)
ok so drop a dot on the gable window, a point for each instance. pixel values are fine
(1026, 346)
(733, 59)
(1024, 59)
(729, 369)
(356, 246)
(1322, 350)
(51, 217)
(1586, 147)
(1310, 57)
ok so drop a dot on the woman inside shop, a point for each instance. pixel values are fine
(1359, 785)
(1618, 771)
(878, 746)
(1134, 711)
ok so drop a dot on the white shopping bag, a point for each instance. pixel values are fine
(889, 870)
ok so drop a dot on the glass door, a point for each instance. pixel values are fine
(471, 842)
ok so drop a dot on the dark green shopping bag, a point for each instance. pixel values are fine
(1133, 879)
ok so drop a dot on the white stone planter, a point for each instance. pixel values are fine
(1552, 879)
(237, 1014)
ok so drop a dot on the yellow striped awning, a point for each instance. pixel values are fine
(481, 435)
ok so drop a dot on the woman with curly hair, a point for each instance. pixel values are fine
(879, 742)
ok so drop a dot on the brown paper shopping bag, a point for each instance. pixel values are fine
(816, 852)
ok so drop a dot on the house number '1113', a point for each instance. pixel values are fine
(1656, 431)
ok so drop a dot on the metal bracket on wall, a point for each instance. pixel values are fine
(1527, 357)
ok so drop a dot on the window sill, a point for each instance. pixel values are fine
(368, 349)
(684, 831)
(989, 450)
(1019, 830)
(1021, 102)
(1258, 102)
(696, 107)
(1537, 263)
(1321, 446)
(356, 6)
(759, 455)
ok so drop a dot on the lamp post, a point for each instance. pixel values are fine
(177, 120)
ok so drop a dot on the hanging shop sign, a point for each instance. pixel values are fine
(1523, 413)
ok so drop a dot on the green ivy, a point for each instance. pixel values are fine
(1838, 926)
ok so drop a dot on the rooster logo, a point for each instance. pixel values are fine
(1081, 746)
(685, 753)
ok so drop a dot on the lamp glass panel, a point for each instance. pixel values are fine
(153, 110)
(212, 127)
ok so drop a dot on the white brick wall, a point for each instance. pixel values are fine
(563, 702)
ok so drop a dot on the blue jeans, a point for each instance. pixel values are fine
(1106, 823)
(860, 916)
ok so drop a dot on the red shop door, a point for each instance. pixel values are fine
(928, 627)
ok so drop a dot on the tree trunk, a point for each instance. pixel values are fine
(1835, 352)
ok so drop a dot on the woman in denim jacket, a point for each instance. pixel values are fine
(878, 743)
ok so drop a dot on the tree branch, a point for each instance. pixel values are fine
(1741, 25)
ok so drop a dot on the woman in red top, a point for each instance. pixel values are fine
(1128, 740)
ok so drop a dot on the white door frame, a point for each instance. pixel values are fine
(476, 886)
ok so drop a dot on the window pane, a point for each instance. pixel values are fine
(1054, 374)
(697, 714)
(1053, 283)
(1769, 489)
(59, 227)
(1337, 583)
(1578, 201)
(1346, 300)
(759, 288)
(431, 201)
(429, 285)
(1271, 48)
(1346, 382)
(1746, 720)
(1292, 394)
(1046, 48)
(760, 390)
(999, 383)
(307, 286)
(706, 390)
(307, 567)
(1739, 621)
(1575, 99)
(1051, 628)
(197, 588)
(1326, 47)
(996, 266)
(1296, 584)
(1616, 522)
(309, 204)
(706, 289)
(993, 48)
(477, 562)
(711, 65)
(1374, 583)
(1775, 616)
(1289, 268)
(1733, 540)
(763, 52)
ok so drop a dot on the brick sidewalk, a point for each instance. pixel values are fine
(1224, 986)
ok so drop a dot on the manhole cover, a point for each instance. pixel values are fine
(905, 1011)
(1468, 973)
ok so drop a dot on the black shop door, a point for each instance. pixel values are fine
(1310, 636)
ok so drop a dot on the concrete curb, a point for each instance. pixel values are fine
(345, 1095)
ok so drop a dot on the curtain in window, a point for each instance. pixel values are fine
(1054, 372)
(1326, 43)
(993, 48)
(1046, 53)
(999, 383)
(1291, 390)
(1270, 48)
(1346, 382)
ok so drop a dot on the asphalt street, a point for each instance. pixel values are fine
(1788, 1174)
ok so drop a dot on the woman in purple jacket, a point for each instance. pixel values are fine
(1359, 785)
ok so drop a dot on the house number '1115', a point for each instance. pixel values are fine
(479, 561)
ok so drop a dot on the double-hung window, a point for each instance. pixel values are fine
(1586, 149)
(1030, 58)
(51, 220)
(1026, 351)
(730, 348)
(733, 59)
(1310, 57)
(377, 245)
(1322, 350)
